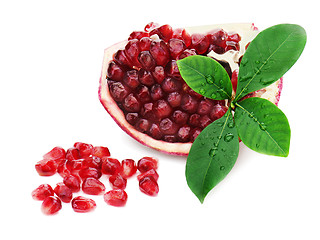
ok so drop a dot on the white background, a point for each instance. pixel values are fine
(50, 62)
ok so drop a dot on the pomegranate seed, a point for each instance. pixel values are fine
(82, 204)
(194, 120)
(145, 77)
(118, 91)
(121, 58)
(128, 168)
(46, 167)
(117, 182)
(74, 165)
(182, 34)
(73, 154)
(115, 72)
(162, 109)
(168, 127)
(57, 154)
(73, 182)
(184, 133)
(200, 42)
(205, 107)
(205, 121)
(147, 163)
(218, 111)
(42, 192)
(180, 117)
(131, 103)
(149, 186)
(189, 104)
(150, 26)
(132, 118)
(158, 74)
(138, 35)
(144, 44)
(143, 94)
(174, 99)
(231, 45)
(142, 125)
(132, 51)
(147, 111)
(146, 60)
(51, 205)
(176, 47)
(131, 79)
(194, 134)
(151, 173)
(85, 149)
(93, 186)
(110, 166)
(90, 172)
(93, 161)
(155, 131)
(171, 85)
(116, 197)
(63, 170)
(63, 192)
(160, 52)
(100, 152)
(156, 92)
(234, 80)
(164, 32)
(234, 37)
(187, 53)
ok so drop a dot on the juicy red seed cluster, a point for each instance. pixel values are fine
(144, 80)
(81, 167)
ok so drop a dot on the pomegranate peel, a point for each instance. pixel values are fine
(239, 35)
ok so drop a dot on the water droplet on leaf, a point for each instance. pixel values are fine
(228, 137)
(202, 91)
(222, 168)
(212, 152)
(209, 79)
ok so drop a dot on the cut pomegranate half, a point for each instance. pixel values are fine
(141, 87)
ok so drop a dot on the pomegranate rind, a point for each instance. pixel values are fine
(247, 31)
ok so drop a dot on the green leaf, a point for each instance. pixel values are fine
(262, 126)
(206, 76)
(212, 155)
(269, 56)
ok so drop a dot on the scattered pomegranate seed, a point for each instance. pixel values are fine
(63, 170)
(73, 182)
(90, 173)
(147, 163)
(92, 162)
(128, 168)
(85, 149)
(73, 154)
(63, 192)
(74, 165)
(151, 173)
(93, 186)
(101, 152)
(82, 204)
(42, 192)
(46, 167)
(117, 182)
(149, 186)
(110, 166)
(57, 154)
(116, 197)
(51, 205)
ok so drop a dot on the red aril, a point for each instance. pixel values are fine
(128, 168)
(93, 186)
(116, 197)
(149, 186)
(150, 173)
(51, 205)
(73, 182)
(85, 149)
(73, 154)
(63, 170)
(42, 192)
(90, 173)
(82, 204)
(46, 167)
(57, 154)
(100, 152)
(147, 163)
(117, 182)
(110, 166)
(63, 192)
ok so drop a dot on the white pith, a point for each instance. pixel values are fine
(247, 31)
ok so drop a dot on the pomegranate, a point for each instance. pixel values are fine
(142, 89)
